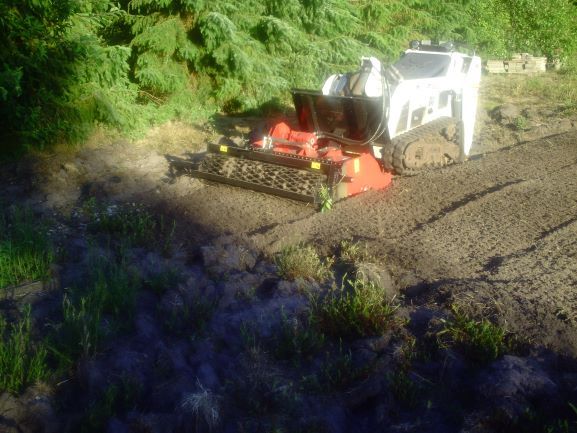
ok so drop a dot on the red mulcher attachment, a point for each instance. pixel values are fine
(359, 171)
(332, 152)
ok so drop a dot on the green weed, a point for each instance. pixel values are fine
(325, 199)
(352, 252)
(132, 225)
(114, 287)
(405, 390)
(90, 314)
(100, 411)
(25, 252)
(190, 318)
(479, 340)
(520, 123)
(357, 309)
(297, 340)
(162, 281)
(338, 371)
(302, 261)
(22, 362)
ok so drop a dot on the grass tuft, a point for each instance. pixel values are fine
(479, 340)
(22, 362)
(357, 309)
(25, 252)
(132, 224)
(296, 340)
(302, 261)
(205, 406)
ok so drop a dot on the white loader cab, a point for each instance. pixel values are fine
(431, 92)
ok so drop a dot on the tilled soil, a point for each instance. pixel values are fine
(496, 234)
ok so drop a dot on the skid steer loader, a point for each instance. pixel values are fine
(359, 130)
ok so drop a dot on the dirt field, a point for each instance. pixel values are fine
(495, 236)
(497, 233)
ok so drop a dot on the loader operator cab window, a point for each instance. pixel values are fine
(414, 66)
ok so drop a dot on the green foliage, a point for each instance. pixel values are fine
(297, 340)
(70, 64)
(90, 314)
(132, 225)
(480, 341)
(358, 309)
(25, 252)
(301, 261)
(22, 362)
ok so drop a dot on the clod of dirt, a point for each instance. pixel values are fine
(33, 412)
(505, 114)
(512, 384)
(379, 276)
(227, 256)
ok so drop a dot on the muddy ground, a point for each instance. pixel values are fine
(495, 236)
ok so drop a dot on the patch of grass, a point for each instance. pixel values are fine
(479, 340)
(297, 340)
(89, 314)
(160, 282)
(114, 287)
(302, 261)
(357, 309)
(132, 225)
(190, 318)
(337, 372)
(22, 362)
(553, 89)
(100, 411)
(25, 251)
(260, 391)
(404, 389)
(520, 123)
(352, 252)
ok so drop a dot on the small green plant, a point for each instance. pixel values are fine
(520, 123)
(132, 225)
(114, 287)
(479, 340)
(357, 309)
(162, 281)
(404, 389)
(190, 318)
(25, 252)
(296, 340)
(100, 411)
(79, 334)
(352, 252)
(339, 372)
(90, 314)
(302, 261)
(22, 362)
(325, 199)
